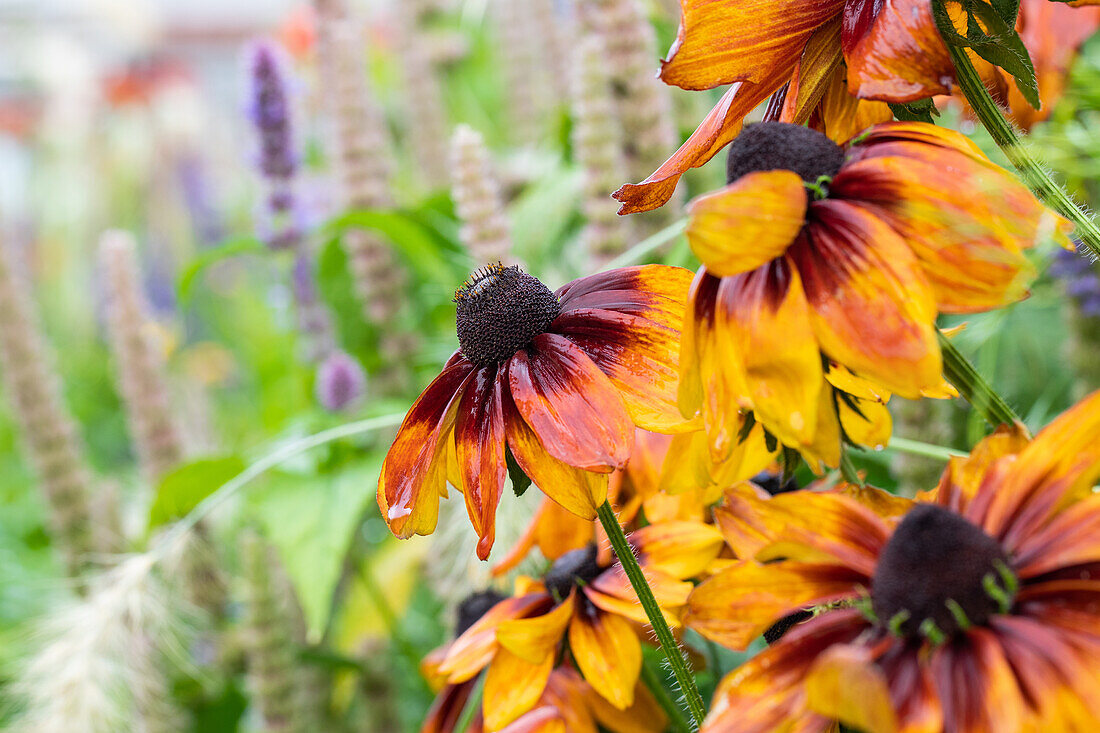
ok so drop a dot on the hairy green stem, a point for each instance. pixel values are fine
(653, 612)
(664, 699)
(1031, 169)
(926, 450)
(973, 387)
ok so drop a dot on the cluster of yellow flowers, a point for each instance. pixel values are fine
(675, 405)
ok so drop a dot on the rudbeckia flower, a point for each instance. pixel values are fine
(587, 602)
(557, 380)
(976, 610)
(824, 268)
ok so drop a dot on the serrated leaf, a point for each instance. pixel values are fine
(181, 490)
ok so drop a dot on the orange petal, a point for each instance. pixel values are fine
(723, 42)
(576, 490)
(644, 716)
(611, 591)
(640, 357)
(715, 132)
(971, 252)
(1060, 465)
(537, 637)
(655, 292)
(1071, 538)
(764, 331)
(679, 549)
(824, 451)
(512, 687)
(739, 603)
(479, 444)
(689, 465)
(845, 684)
(872, 308)
(413, 472)
(820, 61)
(976, 684)
(539, 720)
(447, 708)
(475, 647)
(570, 404)
(844, 115)
(965, 474)
(748, 223)
(870, 426)
(608, 654)
(901, 57)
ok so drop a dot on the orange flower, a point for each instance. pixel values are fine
(1052, 32)
(979, 611)
(824, 269)
(593, 606)
(556, 379)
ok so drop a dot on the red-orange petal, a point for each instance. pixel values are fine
(723, 42)
(539, 720)
(976, 685)
(873, 310)
(901, 57)
(475, 647)
(479, 446)
(608, 654)
(748, 223)
(655, 292)
(413, 471)
(639, 356)
(1071, 538)
(570, 404)
(717, 129)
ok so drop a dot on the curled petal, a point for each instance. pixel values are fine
(571, 405)
(715, 132)
(748, 223)
(723, 42)
(574, 489)
(901, 57)
(640, 357)
(739, 603)
(479, 445)
(608, 654)
(820, 61)
(413, 473)
(873, 310)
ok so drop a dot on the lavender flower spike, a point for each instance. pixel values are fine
(340, 382)
(269, 111)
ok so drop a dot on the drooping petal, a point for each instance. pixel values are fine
(764, 331)
(820, 59)
(574, 489)
(739, 603)
(967, 221)
(655, 292)
(1060, 465)
(723, 42)
(844, 115)
(608, 654)
(866, 423)
(900, 57)
(475, 647)
(479, 445)
(689, 466)
(571, 405)
(715, 132)
(767, 693)
(872, 307)
(976, 685)
(513, 686)
(845, 684)
(748, 223)
(536, 637)
(680, 549)
(640, 357)
(413, 471)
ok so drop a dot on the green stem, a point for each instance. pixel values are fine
(664, 699)
(648, 246)
(973, 387)
(1031, 170)
(671, 649)
(848, 468)
(926, 450)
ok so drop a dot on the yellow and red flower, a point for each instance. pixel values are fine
(824, 268)
(977, 611)
(557, 379)
(588, 603)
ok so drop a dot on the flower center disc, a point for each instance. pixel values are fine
(937, 566)
(473, 607)
(500, 309)
(572, 568)
(769, 146)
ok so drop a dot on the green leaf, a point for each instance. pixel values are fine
(429, 256)
(541, 215)
(923, 110)
(227, 249)
(311, 520)
(181, 490)
(520, 480)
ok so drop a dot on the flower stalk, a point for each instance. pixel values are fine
(671, 649)
(1031, 170)
(972, 386)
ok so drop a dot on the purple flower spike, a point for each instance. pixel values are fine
(1080, 279)
(340, 382)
